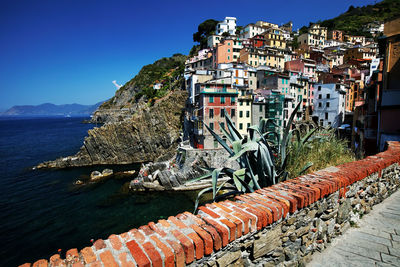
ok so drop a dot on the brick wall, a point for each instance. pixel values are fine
(284, 223)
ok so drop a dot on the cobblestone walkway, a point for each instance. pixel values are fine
(375, 243)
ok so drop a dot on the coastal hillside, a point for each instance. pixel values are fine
(151, 134)
(49, 109)
(143, 122)
(152, 82)
(353, 20)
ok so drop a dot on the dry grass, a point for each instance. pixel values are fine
(324, 150)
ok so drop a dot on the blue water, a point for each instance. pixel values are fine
(41, 211)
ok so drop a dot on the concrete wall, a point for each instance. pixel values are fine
(282, 224)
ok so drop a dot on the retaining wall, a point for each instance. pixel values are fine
(279, 225)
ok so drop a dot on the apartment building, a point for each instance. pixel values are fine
(212, 100)
(227, 25)
(335, 35)
(262, 57)
(274, 38)
(251, 30)
(329, 104)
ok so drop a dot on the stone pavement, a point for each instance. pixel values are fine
(376, 242)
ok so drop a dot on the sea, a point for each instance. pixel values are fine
(42, 211)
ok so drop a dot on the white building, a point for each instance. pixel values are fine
(197, 76)
(213, 40)
(227, 25)
(251, 30)
(329, 104)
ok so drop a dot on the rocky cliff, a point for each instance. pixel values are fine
(166, 73)
(151, 134)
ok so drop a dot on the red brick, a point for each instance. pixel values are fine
(146, 230)
(209, 212)
(115, 242)
(177, 222)
(197, 219)
(156, 229)
(76, 264)
(301, 199)
(284, 202)
(251, 217)
(99, 244)
(229, 215)
(308, 194)
(268, 215)
(138, 254)
(222, 230)
(282, 194)
(262, 219)
(108, 259)
(168, 254)
(40, 263)
(125, 261)
(179, 253)
(232, 229)
(205, 236)
(187, 245)
(153, 254)
(125, 237)
(273, 207)
(88, 255)
(164, 223)
(217, 240)
(25, 265)
(138, 236)
(240, 215)
(198, 244)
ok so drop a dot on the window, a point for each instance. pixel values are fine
(233, 100)
(261, 109)
(228, 58)
(223, 113)
(247, 114)
(232, 113)
(222, 99)
(319, 88)
(241, 114)
(240, 126)
(241, 103)
(211, 114)
(248, 103)
(211, 125)
(319, 96)
(248, 125)
(320, 105)
(211, 99)
(326, 115)
(328, 96)
(327, 104)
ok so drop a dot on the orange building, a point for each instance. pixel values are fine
(223, 53)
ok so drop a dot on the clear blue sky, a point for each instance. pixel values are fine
(65, 52)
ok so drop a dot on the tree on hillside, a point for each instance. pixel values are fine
(205, 29)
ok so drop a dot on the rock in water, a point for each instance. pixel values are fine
(151, 134)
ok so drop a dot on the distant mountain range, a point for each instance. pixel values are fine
(49, 109)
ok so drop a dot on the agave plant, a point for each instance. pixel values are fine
(262, 157)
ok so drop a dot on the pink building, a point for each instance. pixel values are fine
(223, 53)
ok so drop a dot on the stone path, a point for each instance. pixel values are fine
(375, 243)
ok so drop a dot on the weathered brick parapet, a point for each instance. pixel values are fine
(284, 223)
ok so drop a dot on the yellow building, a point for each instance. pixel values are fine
(316, 29)
(243, 118)
(262, 57)
(274, 38)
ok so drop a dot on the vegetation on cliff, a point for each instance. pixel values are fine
(353, 20)
(165, 71)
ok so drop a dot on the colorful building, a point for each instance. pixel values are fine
(212, 101)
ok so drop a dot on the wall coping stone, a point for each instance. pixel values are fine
(191, 239)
